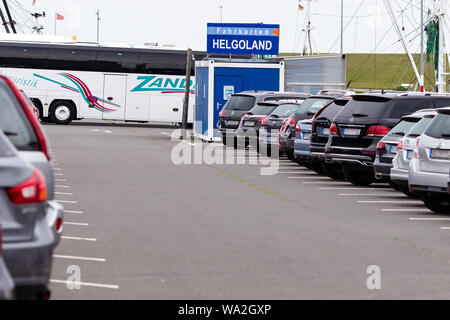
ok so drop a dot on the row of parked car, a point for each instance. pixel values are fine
(398, 138)
(31, 221)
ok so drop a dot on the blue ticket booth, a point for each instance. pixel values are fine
(217, 80)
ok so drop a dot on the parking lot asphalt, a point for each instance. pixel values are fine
(139, 226)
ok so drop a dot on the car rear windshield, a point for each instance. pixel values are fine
(287, 98)
(440, 127)
(241, 103)
(331, 111)
(313, 105)
(262, 110)
(403, 107)
(403, 127)
(369, 109)
(420, 127)
(285, 110)
(14, 122)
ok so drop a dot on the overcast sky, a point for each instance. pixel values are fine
(183, 23)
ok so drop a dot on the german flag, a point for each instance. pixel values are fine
(300, 7)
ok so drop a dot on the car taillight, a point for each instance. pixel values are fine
(400, 145)
(297, 128)
(33, 190)
(381, 146)
(222, 114)
(378, 131)
(31, 118)
(58, 224)
(333, 129)
(293, 122)
(416, 152)
(263, 121)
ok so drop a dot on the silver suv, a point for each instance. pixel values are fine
(30, 234)
(405, 151)
(429, 168)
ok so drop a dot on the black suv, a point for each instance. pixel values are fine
(320, 134)
(239, 104)
(356, 131)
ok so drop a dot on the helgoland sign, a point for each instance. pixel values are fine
(245, 39)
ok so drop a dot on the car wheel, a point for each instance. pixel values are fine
(394, 186)
(438, 203)
(62, 113)
(316, 167)
(332, 171)
(405, 190)
(358, 178)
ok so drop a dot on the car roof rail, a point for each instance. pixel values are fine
(336, 92)
(383, 91)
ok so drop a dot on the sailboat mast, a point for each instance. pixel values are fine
(422, 53)
(441, 83)
(5, 23)
(8, 13)
(402, 39)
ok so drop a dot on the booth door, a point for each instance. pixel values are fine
(224, 87)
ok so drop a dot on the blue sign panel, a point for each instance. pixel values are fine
(246, 39)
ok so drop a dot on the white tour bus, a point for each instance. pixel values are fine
(75, 81)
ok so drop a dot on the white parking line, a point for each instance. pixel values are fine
(303, 173)
(429, 219)
(60, 180)
(76, 212)
(65, 201)
(77, 224)
(57, 169)
(85, 284)
(393, 202)
(407, 210)
(64, 193)
(312, 177)
(59, 174)
(354, 188)
(79, 258)
(445, 228)
(79, 239)
(324, 182)
(370, 195)
(62, 187)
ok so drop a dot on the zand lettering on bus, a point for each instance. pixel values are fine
(160, 84)
(24, 82)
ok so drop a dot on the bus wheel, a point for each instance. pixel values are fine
(62, 112)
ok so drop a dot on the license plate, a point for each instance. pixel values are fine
(409, 154)
(440, 154)
(325, 131)
(393, 149)
(306, 136)
(352, 132)
(249, 123)
(232, 123)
